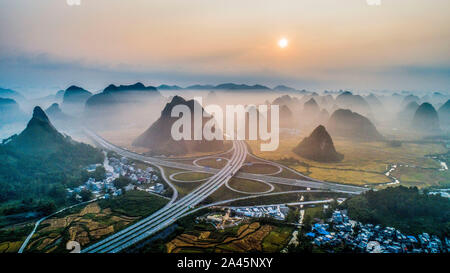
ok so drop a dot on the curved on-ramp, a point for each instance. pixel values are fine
(170, 214)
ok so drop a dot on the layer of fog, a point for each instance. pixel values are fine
(124, 118)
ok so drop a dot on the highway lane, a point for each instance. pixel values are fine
(168, 215)
(221, 179)
(222, 202)
(184, 204)
(289, 204)
(182, 207)
(307, 182)
(304, 183)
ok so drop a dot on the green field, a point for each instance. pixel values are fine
(419, 177)
(183, 188)
(277, 239)
(364, 162)
(260, 168)
(223, 193)
(289, 174)
(134, 204)
(248, 185)
(348, 176)
(216, 163)
(283, 198)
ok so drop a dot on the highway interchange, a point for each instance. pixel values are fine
(169, 214)
(177, 209)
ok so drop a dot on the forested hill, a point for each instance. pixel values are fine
(40, 162)
(404, 208)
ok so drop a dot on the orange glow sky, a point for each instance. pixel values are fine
(332, 43)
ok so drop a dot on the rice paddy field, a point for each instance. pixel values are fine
(11, 238)
(419, 177)
(364, 162)
(93, 222)
(247, 237)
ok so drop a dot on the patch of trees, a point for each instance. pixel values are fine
(134, 203)
(122, 182)
(99, 173)
(292, 161)
(41, 206)
(394, 143)
(44, 177)
(404, 208)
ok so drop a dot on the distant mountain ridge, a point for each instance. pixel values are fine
(133, 87)
(290, 101)
(75, 94)
(233, 87)
(55, 113)
(410, 98)
(284, 88)
(373, 101)
(311, 107)
(444, 114)
(287, 119)
(348, 124)
(426, 118)
(347, 100)
(114, 95)
(10, 111)
(11, 94)
(168, 87)
(406, 115)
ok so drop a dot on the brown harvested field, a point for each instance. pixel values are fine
(90, 224)
(93, 222)
(10, 247)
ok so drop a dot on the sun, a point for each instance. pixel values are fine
(283, 42)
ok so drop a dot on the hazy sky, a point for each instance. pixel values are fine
(402, 44)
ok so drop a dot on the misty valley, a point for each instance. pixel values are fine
(91, 166)
(210, 135)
